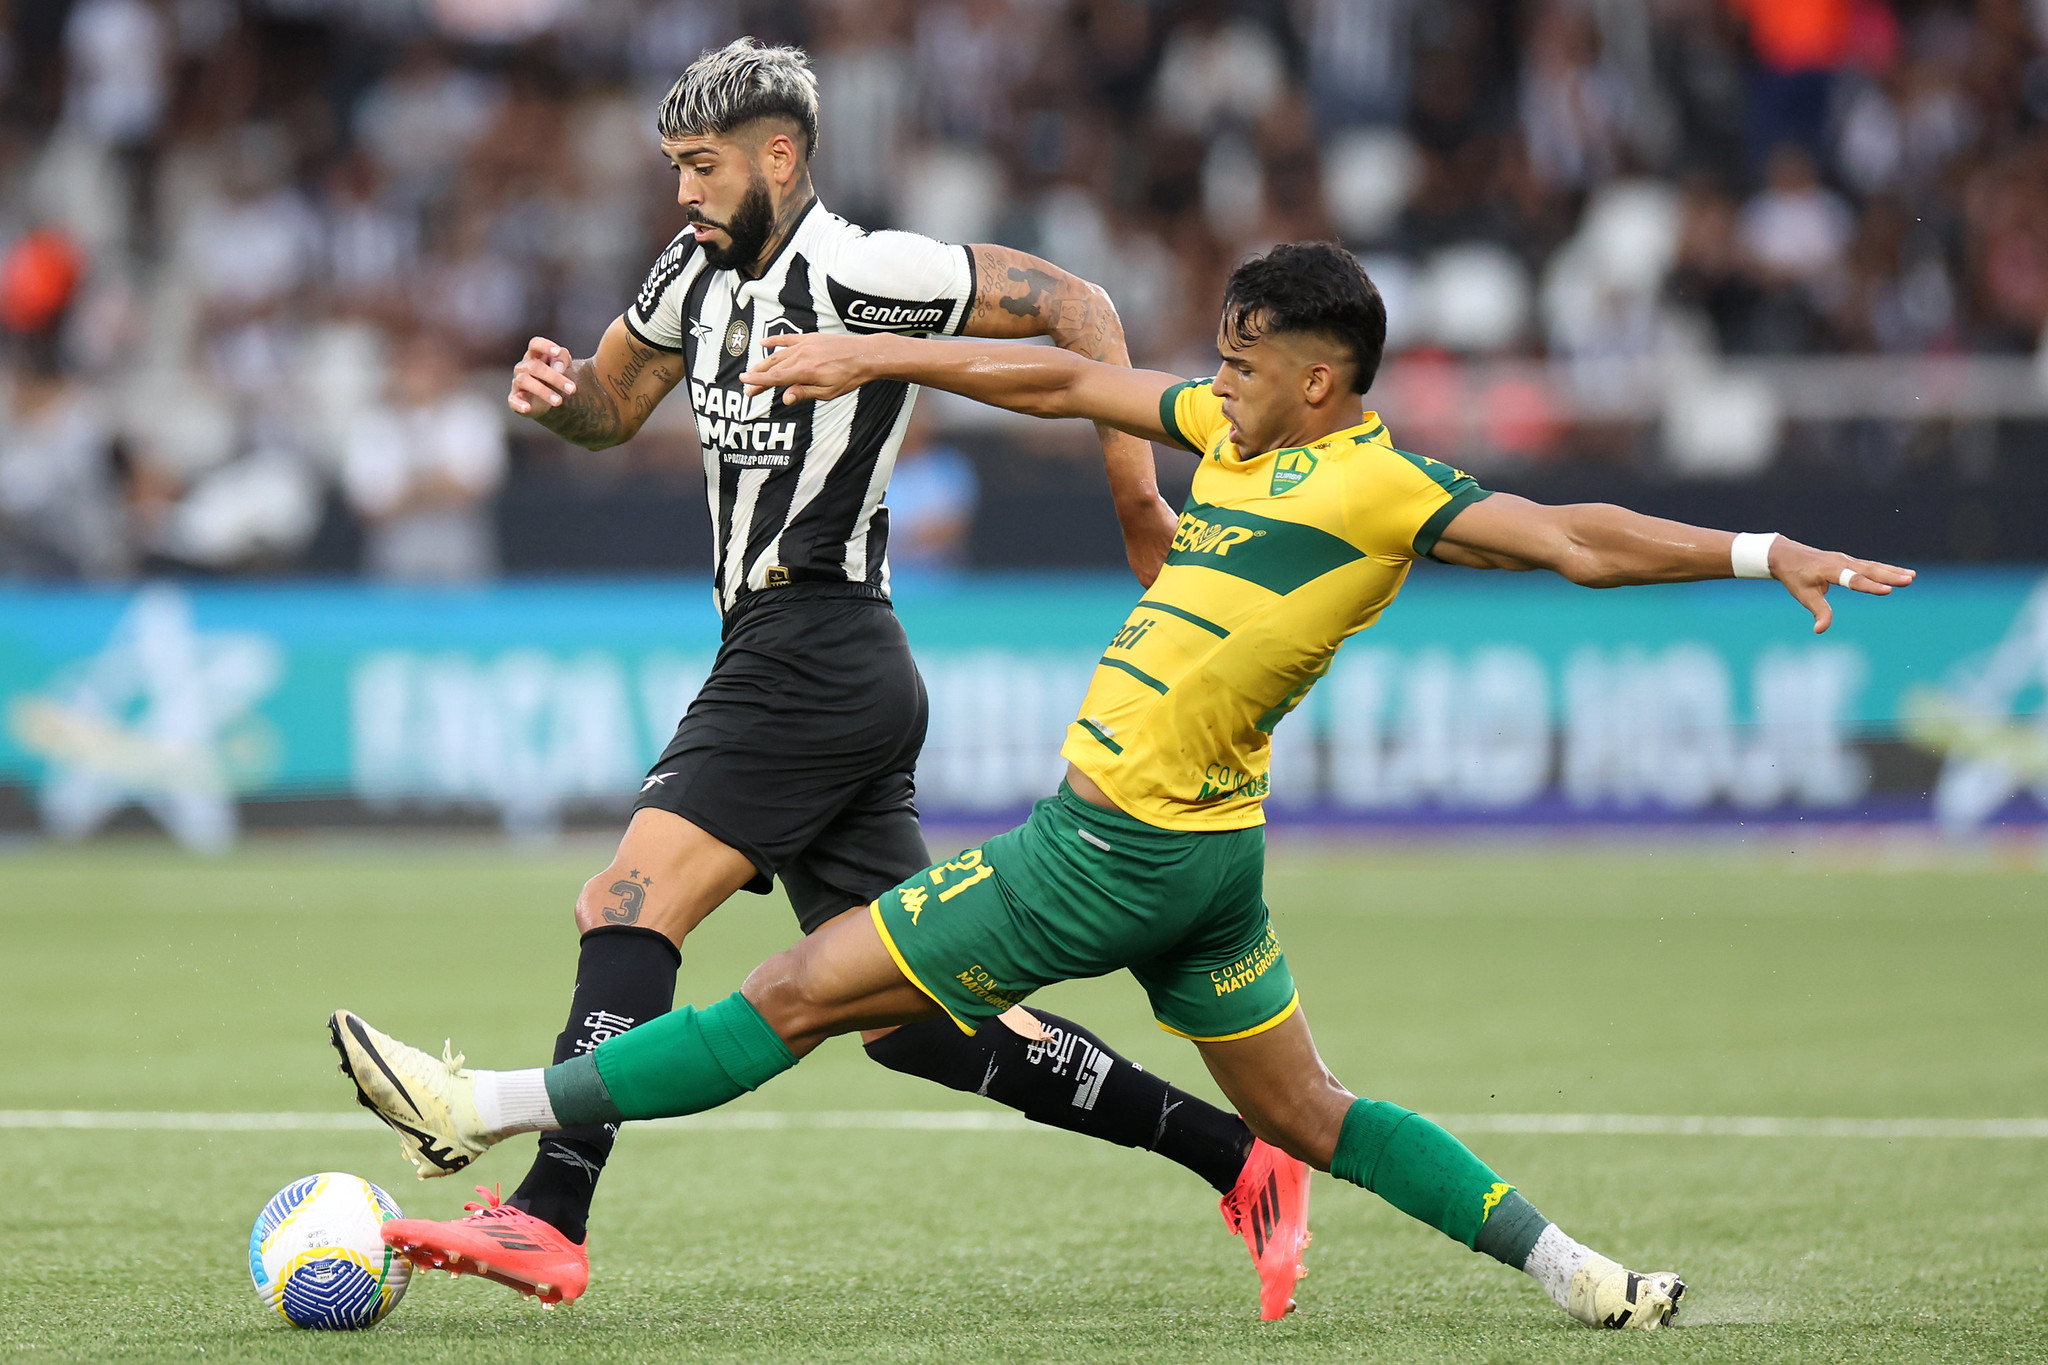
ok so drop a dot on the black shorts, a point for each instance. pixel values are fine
(801, 748)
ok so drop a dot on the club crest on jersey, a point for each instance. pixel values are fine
(736, 337)
(779, 327)
(1290, 467)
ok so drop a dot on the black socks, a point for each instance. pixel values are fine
(1072, 1080)
(625, 976)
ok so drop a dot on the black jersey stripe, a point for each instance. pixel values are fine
(693, 308)
(771, 508)
(819, 537)
(726, 375)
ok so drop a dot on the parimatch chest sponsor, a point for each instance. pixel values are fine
(740, 428)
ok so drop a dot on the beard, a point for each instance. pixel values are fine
(748, 229)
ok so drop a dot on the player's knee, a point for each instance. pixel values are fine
(787, 992)
(611, 897)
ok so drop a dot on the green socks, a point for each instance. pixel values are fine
(684, 1062)
(1427, 1174)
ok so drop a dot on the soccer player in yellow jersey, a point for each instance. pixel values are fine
(1302, 524)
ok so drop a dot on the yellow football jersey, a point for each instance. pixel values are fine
(1279, 558)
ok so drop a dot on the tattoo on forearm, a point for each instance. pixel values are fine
(632, 895)
(638, 358)
(1017, 290)
(1031, 303)
(588, 417)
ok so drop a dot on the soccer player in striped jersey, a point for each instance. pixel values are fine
(1301, 527)
(796, 758)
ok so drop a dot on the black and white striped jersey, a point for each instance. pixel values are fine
(796, 491)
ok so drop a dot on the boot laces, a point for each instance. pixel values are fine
(493, 1207)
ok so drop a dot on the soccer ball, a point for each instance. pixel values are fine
(317, 1259)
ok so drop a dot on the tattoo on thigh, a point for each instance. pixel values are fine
(632, 893)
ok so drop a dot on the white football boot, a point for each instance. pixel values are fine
(430, 1102)
(1606, 1294)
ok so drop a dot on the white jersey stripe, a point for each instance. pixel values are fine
(734, 555)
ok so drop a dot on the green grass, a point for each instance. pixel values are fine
(1454, 980)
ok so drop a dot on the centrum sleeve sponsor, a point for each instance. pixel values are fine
(864, 312)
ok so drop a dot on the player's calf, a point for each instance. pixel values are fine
(1290, 1098)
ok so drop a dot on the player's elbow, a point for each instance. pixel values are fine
(1587, 567)
(1582, 554)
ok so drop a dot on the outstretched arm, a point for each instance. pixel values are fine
(1018, 295)
(597, 402)
(1037, 381)
(1602, 546)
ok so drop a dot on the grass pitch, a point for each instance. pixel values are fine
(1454, 981)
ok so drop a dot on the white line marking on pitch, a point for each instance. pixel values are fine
(970, 1120)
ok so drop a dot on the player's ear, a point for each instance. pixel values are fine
(780, 158)
(1316, 383)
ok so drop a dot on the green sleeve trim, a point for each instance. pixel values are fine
(1149, 605)
(1140, 674)
(1438, 473)
(1167, 422)
(1464, 492)
(1092, 728)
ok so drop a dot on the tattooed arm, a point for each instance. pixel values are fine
(1019, 295)
(597, 402)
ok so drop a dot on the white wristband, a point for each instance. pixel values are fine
(1751, 553)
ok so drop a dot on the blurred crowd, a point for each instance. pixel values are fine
(263, 264)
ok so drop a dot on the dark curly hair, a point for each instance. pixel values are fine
(1314, 287)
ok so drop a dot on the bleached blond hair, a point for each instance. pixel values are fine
(741, 82)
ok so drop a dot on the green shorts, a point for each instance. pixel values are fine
(1079, 891)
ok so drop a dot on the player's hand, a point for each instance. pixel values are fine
(540, 380)
(1149, 529)
(811, 366)
(1808, 573)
